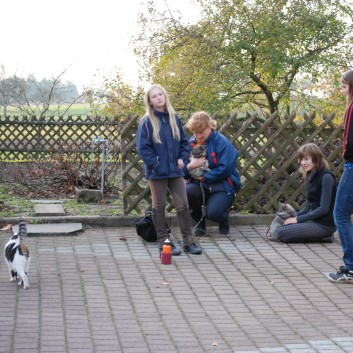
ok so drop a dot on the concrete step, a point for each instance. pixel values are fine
(46, 201)
(49, 209)
(51, 229)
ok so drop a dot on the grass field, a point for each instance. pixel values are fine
(75, 109)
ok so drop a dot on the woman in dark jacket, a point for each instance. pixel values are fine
(315, 221)
(211, 194)
(163, 145)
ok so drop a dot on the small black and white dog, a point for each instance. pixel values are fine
(285, 211)
(199, 151)
(17, 256)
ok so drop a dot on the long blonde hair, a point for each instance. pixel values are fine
(153, 119)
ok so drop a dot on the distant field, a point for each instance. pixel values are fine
(75, 109)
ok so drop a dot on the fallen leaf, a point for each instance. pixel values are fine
(123, 238)
(7, 227)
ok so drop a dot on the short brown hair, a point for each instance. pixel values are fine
(313, 151)
(200, 121)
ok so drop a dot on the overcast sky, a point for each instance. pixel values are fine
(89, 38)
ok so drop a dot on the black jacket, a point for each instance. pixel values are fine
(320, 198)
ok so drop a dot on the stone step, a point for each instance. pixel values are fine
(51, 229)
(46, 201)
(49, 209)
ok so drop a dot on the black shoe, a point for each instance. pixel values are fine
(175, 249)
(327, 239)
(200, 229)
(193, 249)
(224, 227)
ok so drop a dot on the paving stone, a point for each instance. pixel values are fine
(52, 229)
(96, 293)
(49, 209)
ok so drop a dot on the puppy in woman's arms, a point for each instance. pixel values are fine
(199, 151)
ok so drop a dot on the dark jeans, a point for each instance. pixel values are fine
(217, 204)
(343, 212)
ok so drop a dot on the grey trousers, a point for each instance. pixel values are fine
(302, 232)
(159, 191)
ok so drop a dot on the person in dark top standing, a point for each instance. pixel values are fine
(344, 200)
(162, 144)
(211, 194)
(315, 221)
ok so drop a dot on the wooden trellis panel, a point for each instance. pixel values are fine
(267, 164)
(32, 138)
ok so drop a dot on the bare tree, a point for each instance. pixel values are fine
(36, 98)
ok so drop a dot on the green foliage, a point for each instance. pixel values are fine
(115, 98)
(245, 54)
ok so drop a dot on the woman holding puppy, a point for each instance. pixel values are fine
(211, 194)
(315, 221)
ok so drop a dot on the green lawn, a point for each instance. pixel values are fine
(75, 109)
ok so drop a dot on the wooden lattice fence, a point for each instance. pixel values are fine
(33, 139)
(267, 163)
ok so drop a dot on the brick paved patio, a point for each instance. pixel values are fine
(104, 291)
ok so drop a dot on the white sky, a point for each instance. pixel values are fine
(88, 38)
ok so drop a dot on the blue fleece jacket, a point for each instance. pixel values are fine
(161, 159)
(222, 158)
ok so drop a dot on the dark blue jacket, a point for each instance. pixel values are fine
(222, 158)
(161, 159)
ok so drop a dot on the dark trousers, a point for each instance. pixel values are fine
(302, 232)
(217, 204)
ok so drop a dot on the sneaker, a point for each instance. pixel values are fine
(200, 229)
(193, 249)
(343, 275)
(175, 249)
(224, 227)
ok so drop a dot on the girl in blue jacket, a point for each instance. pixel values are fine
(163, 145)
